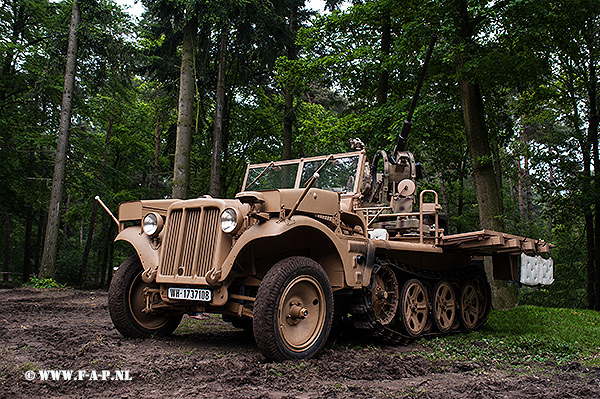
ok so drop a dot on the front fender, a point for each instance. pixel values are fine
(273, 228)
(142, 245)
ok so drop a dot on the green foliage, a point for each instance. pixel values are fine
(42, 283)
(530, 58)
(526, 334)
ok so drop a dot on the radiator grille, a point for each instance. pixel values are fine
(191, 238)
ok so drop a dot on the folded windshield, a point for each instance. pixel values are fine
(339, 174)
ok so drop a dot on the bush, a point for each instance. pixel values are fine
(36, 282)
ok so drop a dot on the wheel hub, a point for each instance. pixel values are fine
(297, 312)
(301, 313)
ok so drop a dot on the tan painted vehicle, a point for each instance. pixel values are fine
(307, 242)
(311, 241)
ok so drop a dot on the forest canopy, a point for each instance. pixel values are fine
(177, 102)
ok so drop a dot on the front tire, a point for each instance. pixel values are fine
(126, 300)
(293, 310)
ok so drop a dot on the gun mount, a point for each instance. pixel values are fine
(392, 179)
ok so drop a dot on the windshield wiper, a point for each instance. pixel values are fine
(269, 166)
(309, 184)
(317, 172)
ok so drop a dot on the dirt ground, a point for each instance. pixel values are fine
(71, 330)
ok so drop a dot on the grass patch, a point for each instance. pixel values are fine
(527, 334)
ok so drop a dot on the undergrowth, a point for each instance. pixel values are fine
(36, 282)
(527, 334)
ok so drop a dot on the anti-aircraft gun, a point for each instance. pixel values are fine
(392, 180)
(307, 241)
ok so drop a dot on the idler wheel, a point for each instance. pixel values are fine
(470, 306)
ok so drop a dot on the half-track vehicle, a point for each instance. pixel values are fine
(309, 241)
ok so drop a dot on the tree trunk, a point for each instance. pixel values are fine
(288, 124)
(156, 154)
(522, 212)
(497, 166)
(226, 178)
(185, 118)
(41, 232)
(445, 200)
(488, 195)
(215, 167)
(594, 121)
(550, 205)
(111, 252)
(27, 245)
(48, 265)
(289, 116)
(66, 210)
(528, 200)
(6, 245)
(489, 199)
(103, 257)
(486, 189)
(90, 236)
(589, 225)
(461, 195)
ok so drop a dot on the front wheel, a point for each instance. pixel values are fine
(293, 310)
(127, 301)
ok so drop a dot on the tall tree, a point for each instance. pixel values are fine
(48, 264)
(215, 166)
(88, 242)
(489, 198)
(288, 92)
(186, 117)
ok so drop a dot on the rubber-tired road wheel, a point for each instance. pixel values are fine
(444, 306)
(293, 310)
(415, 307)
(485, 299)
(469, 306)
(126, 300)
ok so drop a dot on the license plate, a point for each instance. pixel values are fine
(190, 294)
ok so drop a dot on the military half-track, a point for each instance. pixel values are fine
(307, 241)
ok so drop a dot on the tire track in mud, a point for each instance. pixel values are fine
(71, 330)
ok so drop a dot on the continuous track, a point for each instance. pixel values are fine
(394, 332)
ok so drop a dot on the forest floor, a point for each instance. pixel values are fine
(42, 330)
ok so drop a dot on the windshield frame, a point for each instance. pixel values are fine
(301, 161)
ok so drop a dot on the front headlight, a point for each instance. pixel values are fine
(152, 224)
(229, 220)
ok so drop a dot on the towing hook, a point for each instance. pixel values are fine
(149, 275)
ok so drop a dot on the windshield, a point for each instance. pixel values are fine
(338, 174)
(272, 176)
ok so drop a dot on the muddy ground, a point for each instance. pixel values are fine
(71, 330)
